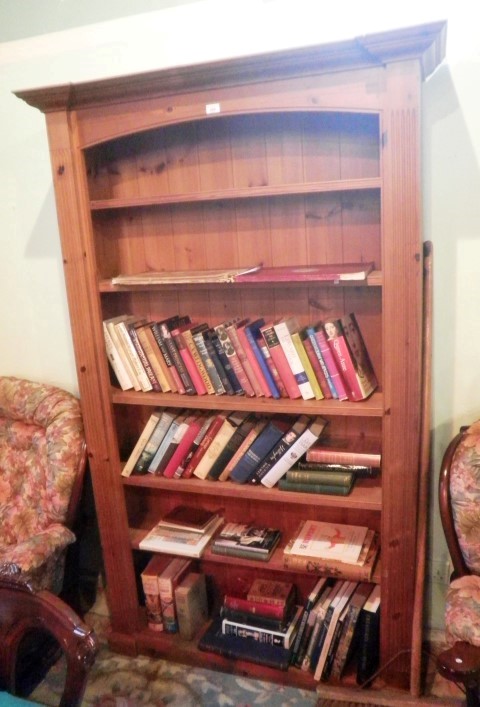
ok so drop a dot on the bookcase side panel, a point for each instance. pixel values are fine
(79, 267)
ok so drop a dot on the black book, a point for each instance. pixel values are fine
(214, 641)
(224, 362)
(243, 428)
(166, 328)
(368, 647)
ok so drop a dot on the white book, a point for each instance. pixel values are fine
(331, 541)
(284, 639)
(122, 329)
(293, 454)
(284, 330)
(338, 605)
(141, 442)
(178, 542)
(155, 441)
(116, 361)
(117, 342)
(167, 439)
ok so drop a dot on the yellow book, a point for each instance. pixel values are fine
(297, 342)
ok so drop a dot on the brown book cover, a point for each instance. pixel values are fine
(363, 451)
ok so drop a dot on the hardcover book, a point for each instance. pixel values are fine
(278, 357)
(168, 580)
(133, 331)
(180, 336)
(154, 441)
(169, 444)
(280, 448)
(335, 610)
(251, 436)
(185, 438)
(178, 542)
(329, 541)
(307, 365)
(351, 356)
(254, 538)
(308, 606)
(191, 604)
(261, 609)
(301, 445)
(327, 489)
(259, 449)
(232, 356)
(346, 642)
(368, 648)
(232, 330)
(252, 332)
(340, 391)
(332, 272)
(126, 333)
(115, 360)
(233, 647)
(154, 355)
(361, 451)
(271, 591)
(151, 591)
(222, 363)
(284, 330)
(247, 631)
(193, 518)
(213, 427)
(141, 442)
(218, 444)
(242, 424)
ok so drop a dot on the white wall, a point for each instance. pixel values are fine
(35, 340)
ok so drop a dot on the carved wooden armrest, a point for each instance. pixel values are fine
(23, 610)
(461, 664)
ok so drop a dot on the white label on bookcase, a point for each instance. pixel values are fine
(212, 108)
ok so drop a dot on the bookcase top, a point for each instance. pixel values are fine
(424, 43)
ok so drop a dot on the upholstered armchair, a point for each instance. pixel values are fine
(459, 500)
(42, 460)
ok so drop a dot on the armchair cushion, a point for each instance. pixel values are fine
(462, 611)
(41, 445)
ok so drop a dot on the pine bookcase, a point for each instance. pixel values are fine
(296, 157)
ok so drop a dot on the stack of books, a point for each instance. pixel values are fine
(259, 626)
(184, 531)
(251, 357)
(333, 549)
(246, 540)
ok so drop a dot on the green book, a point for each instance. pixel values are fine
(330, 489)
(330, 478)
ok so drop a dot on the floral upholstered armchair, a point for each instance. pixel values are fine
(459, 499)
(42, 460)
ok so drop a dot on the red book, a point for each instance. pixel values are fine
(355, 368)
(214, 427)
(335, 272)
(317, 369)
(278, 357)
(233, 358)
(330, 363)
(190, 365)
(272, 367)
(231, 329)
(255, 607)
(252, 359)
(193, 424)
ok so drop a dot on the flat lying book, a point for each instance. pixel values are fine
(214, 641)
(330, 541)
(333, 272)
(183, 277)
(178, 542)
(189, 518)
(254, 538)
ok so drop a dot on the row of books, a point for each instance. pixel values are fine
(246, 448)
(338, 620)
(175, 596)
(241, 357)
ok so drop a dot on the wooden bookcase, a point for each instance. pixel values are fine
(296, 157)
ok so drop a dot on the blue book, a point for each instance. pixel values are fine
(258, 450)
(310, 332)
(214, 641)
(253, 333)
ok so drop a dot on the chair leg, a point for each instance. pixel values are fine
(461, 664)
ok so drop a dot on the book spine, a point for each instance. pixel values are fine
(324, 455)
(140, 444)
(259, 608)
(154, 441)
(331, 363)
(247, 465)
(272, 367)
(277, 452)
(153, 353)
(155, 385)
(183, 447)
(153, 604)
(215, 448)
(359, 471)
(247, 442)
(317, 353)
(206, 422)
(333, 478)
(341, 352)
(227, 452)
(172, 373)
(123, 353)
(211, 370)
(278, 357)
(327, 489)
(245, 617)
(198, 362)
(307, 366)
(140, 373)
(262, 370)
(231, 353)
(259, 382)
(229, 628)
(363, 366)
(212, 430)
(178, 363)
(221, 363)
(239, 552)
(297, 450)
(249, 372)
(317, 368)
(327, 568)
(293, 360)
(116, 362)
(189, 364)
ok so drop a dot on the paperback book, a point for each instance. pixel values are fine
(179, 542)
